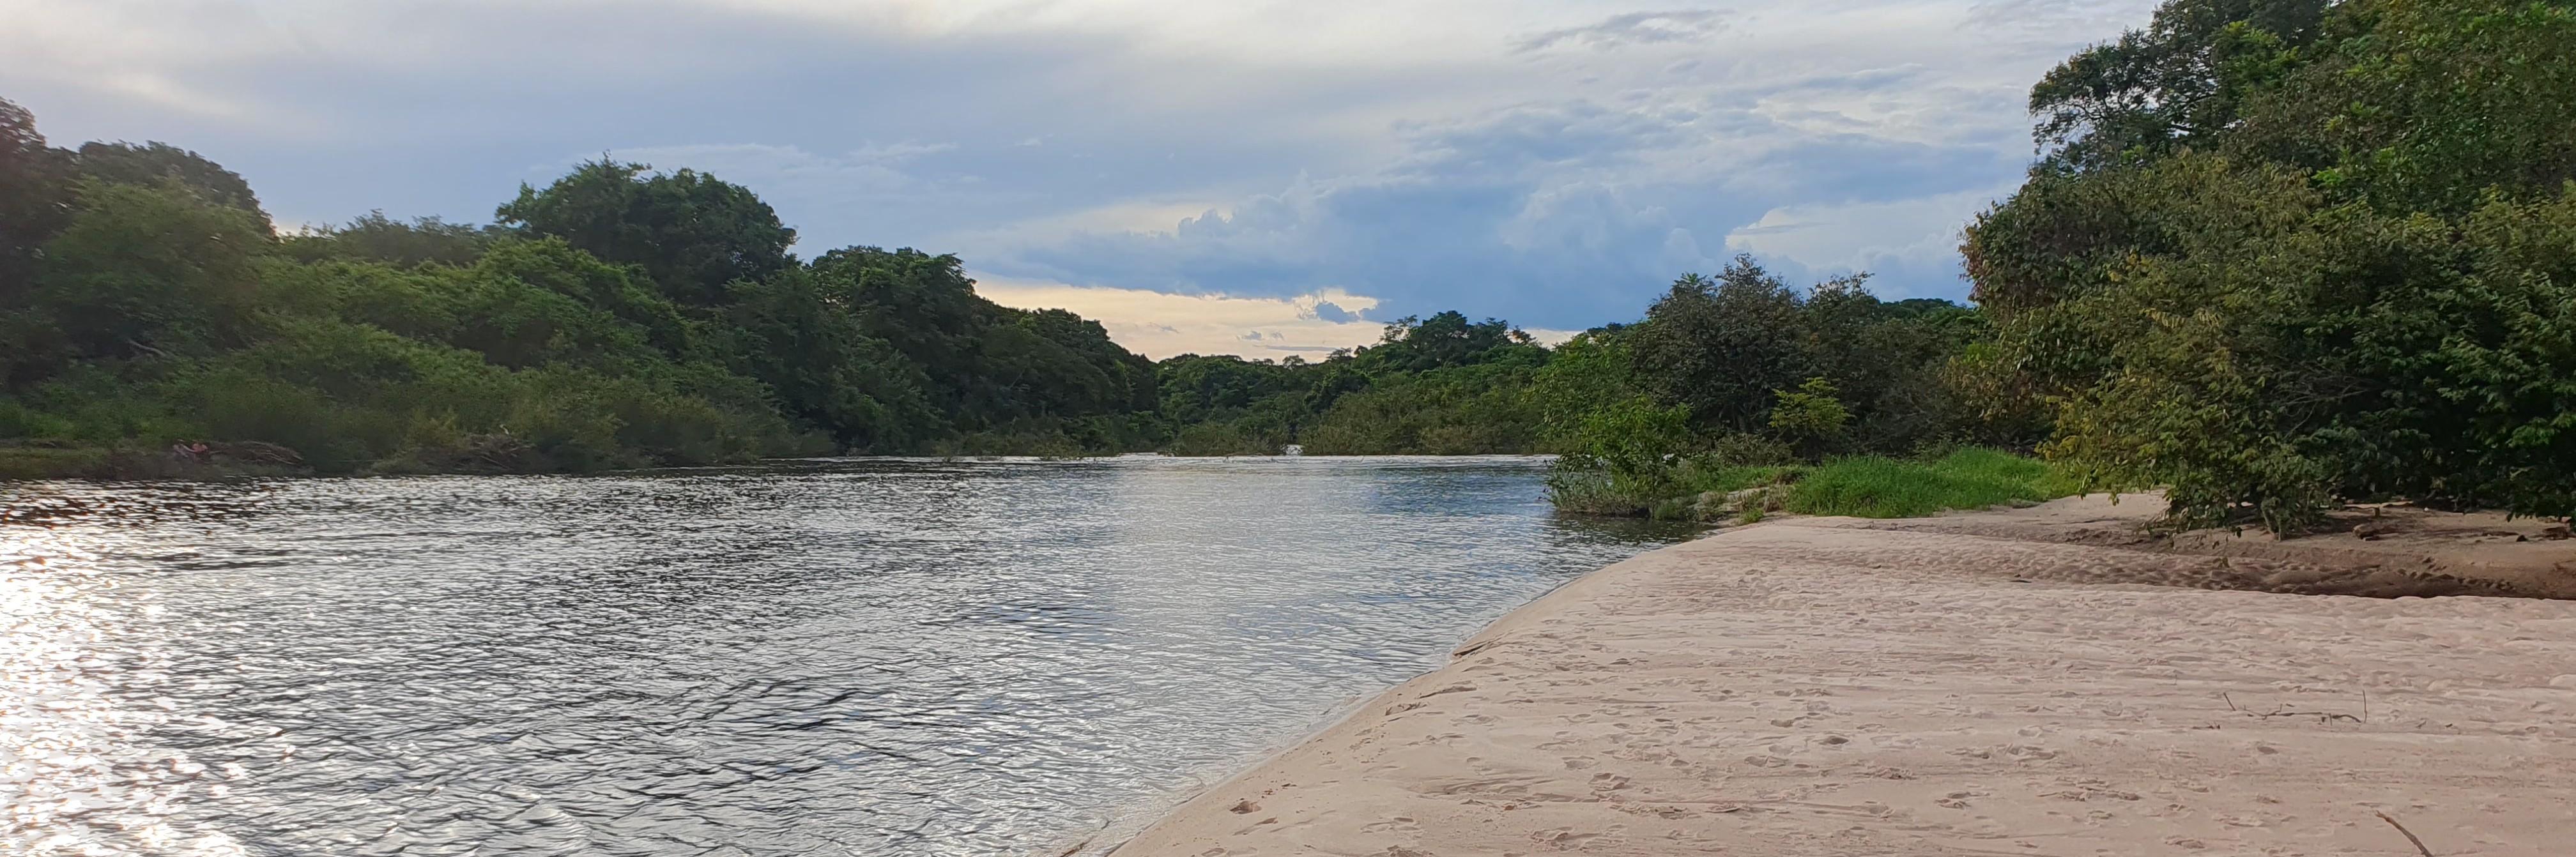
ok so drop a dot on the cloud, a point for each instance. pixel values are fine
(1563, 215)
(1634, 28)
(1161, 324)
(1552, 163)
(1914, 239)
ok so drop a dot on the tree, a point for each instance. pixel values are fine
(151, 271)
(153, 164)
(692, 233)
(1810, 417)
(1414, 344)
(35, 198)
(376, 238)
(1719, 347)
(2355, 282)
(2175, 83)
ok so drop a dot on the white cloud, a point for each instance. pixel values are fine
(1161, 324)
(1922, 231)
(1549, 161)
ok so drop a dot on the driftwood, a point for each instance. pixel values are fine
(2410, 835)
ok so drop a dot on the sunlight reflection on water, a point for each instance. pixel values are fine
(874, 657)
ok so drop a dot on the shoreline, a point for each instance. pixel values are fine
(2035, 681)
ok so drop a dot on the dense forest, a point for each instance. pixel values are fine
(622, 317)
(2282, 253)
(2273, 254)
(613, 319)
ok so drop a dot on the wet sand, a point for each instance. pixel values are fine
(2042, 682)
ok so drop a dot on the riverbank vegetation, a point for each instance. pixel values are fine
(2278, 254)
(2273, 254)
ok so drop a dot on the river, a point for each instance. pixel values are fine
(866, 657)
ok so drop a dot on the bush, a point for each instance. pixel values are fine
(2290, 260)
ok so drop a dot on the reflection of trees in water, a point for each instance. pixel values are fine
(57, 504)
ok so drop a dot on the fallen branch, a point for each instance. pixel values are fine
(2410, 835)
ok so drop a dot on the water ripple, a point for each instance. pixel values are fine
(866, 657)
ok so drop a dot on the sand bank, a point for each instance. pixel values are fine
(2006, 683)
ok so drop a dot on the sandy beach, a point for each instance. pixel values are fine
(2035, 682)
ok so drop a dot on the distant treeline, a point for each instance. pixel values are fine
(613, 319)
(622, 317)
(2274, 254)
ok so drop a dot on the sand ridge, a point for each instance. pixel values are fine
(1832, 687)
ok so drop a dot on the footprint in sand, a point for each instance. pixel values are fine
(1562, 838)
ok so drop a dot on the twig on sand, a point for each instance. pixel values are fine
(2321, 716)
(2410, 835)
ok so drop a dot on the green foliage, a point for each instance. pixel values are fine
(1447, 339)
(1227, 405)
(377, 238)
(692, 233)
(2352, 280)
(2175, 84)
(1624, 458)
(1435, 386)
(161, 164)
(1589, 373)
(35, 198)
(149, 270)
(985, 365)
(1457, 410)
(1724, 347)
(1719, 347)
(162, 309)
(1880, 487)
(2425, 105)
(1814, 413)
(1790, 377)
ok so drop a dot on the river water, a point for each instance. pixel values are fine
(861, 657)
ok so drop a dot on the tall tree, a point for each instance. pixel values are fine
(35, 197)
(159, 163)
(1722, 346)
(1447, 338)
(693, 233)
(151, 271)
(2175, 83)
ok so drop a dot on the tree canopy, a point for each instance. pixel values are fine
(692, 233)
(2287, 254)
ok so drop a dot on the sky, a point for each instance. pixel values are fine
(1212, 176)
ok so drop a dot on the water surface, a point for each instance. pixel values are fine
(865, 657)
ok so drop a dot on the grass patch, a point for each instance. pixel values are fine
(1876, 487)
(1704, 488)
(43, 462)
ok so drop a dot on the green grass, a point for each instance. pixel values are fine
(1876, 487)
(38, 462)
